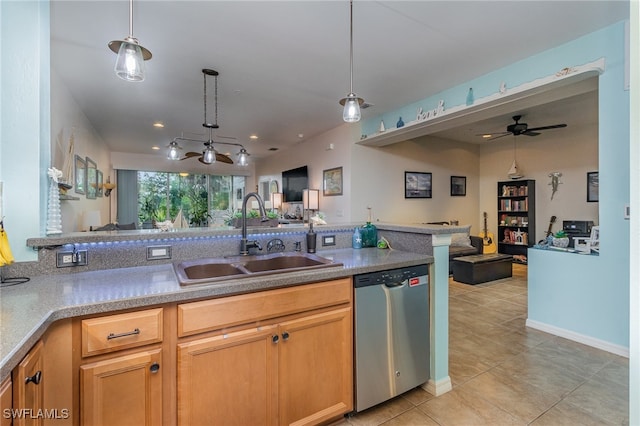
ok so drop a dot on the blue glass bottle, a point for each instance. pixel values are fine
(357, 239)
(400, 123)
(470, 98)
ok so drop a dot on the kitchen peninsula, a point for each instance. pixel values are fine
(117, 280)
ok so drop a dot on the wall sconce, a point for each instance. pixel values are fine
(311, 200)
(108, 187)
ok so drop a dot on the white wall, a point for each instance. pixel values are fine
(68, 120)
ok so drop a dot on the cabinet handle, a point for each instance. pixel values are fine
(125, 334)
(155, 367)
(275, 338)
(285, 335)
(35, 379)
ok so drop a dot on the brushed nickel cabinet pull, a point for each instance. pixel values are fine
(125, 334)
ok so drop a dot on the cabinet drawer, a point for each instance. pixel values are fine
(215, 314)
(121, 331)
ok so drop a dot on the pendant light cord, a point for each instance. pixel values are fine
(131, 18)
(351, 46)
(206, 123)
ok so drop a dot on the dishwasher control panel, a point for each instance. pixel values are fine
(391, 276)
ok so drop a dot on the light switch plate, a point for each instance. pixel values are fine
(158, 252)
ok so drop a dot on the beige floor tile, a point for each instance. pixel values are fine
(616, 371)
(565, 414)
(602, 398)
(459, 407)
(463, 367)
(575, 357)
(513, 396)
(417, 396)
(413, 417)
(381, 413)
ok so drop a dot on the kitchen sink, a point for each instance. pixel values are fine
(217, 269)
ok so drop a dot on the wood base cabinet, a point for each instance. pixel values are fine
(126, 390)
(295, 369)
(28, 389)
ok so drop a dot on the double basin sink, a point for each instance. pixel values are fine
(217, 269)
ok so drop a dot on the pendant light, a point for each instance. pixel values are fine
(131, 56)
(243, 157)
(173, 153)
(351, 112)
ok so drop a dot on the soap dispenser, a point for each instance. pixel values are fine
(357, 239)
(311, 239)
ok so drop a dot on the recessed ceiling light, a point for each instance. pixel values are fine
(254, 137)
(300, 135)
(155, 147)
(486, 136)
(158, 124)
(183, 174)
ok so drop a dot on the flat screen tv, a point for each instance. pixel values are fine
(293, 182)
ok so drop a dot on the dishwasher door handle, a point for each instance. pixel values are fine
(396, 285)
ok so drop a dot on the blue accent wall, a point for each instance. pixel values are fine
(587, 295)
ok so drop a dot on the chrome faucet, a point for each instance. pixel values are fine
(246, 245)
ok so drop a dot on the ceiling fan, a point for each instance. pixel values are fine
(518, 128)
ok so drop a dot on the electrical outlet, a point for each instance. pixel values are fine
(328, 240)
(65, 259)
(158, 252)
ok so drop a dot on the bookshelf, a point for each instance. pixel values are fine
(516, 217)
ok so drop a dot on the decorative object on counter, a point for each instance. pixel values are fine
(383, 243)
(356, 239)
(165, 226)
(555, 181)
(417, 185)
(209, 155)
(593, 184)
(470, 98)
(400, 123)
(560, 239)
(332, 182)
(131, 56)
(369, 233)
(311, 239)
(381, 128)
(458, 186)
(54, 215)
(351, 112)
(318, 219)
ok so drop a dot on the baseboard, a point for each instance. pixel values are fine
(438, 388)
(580, 338)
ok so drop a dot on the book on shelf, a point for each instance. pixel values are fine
(515, 191)
(514, 205)
(516, 237)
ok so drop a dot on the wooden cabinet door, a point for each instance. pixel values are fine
(124, 390)
(315, 368)
(29, 388)
(6, 402)
(229, 379)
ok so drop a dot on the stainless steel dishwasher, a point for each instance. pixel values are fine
(391, 333)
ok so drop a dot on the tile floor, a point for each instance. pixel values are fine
(504, 373)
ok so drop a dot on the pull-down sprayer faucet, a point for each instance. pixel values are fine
(246, 245)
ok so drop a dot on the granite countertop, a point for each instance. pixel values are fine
(27, 310)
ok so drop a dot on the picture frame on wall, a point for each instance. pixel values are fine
(100, 183)
(417, 185)
(80, 170)
(458, 186)
(593, 185)
(332, 181)
(91, 184)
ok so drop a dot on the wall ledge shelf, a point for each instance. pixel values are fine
(565, 83)
(68, 198)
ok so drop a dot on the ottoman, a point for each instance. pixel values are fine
(482, 268)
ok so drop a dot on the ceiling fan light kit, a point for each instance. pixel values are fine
(351, 103)
(209, 155)
(131, 55)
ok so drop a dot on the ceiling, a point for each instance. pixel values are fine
(285, 64)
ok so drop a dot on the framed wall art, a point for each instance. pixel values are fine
(332, 181)
(417, 185)
(593, 183)
(91, 184)
(458, 186)
(80, 170)
(99, 182)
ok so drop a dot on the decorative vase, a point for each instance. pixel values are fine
(470, 98)
(561, 242)
(400, 123)
(54, 216)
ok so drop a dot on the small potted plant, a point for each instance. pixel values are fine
(560, 239)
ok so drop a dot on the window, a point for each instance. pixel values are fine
(204, 199)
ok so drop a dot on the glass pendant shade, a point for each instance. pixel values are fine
(243, 157)
(173, 151)
(130, 63)
(209, 155)
(351, 112)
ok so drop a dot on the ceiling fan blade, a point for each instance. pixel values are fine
(493, 133)
(530, 133)
(555, 126)
(498, 137)
(190, 154)
(223, 158)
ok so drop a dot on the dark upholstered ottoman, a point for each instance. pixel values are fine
(482, 268)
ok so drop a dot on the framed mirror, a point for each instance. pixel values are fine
(92, 179)
(80, 170)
